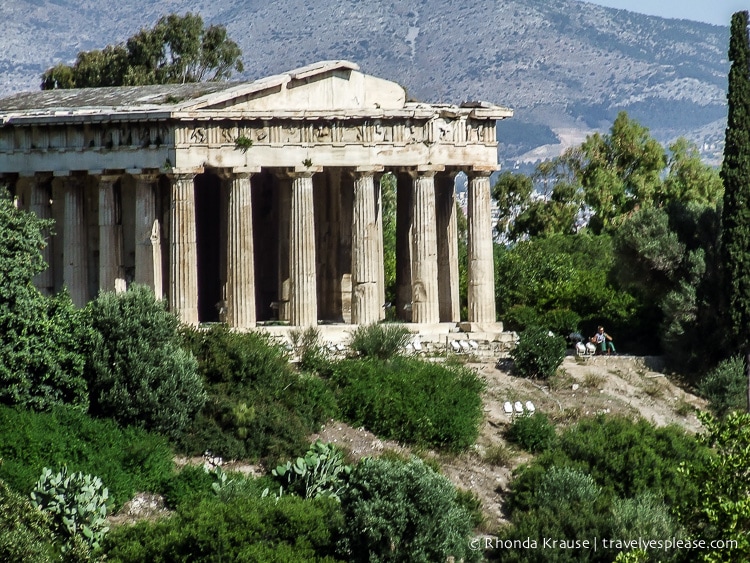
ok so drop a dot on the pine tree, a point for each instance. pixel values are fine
(735, 173)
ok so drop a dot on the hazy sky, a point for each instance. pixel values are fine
(718, 12)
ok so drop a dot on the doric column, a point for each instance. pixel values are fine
(481, 268)
(380, 250)
(424, 277)
(303, 305)
(75, 267)
(367, 254)
(110, 234)
(148, 256)
(40, 205)
(447, 244)
(285, 202)
(240, 254)
(183, 246)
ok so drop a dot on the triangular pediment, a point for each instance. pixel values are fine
(323, 86)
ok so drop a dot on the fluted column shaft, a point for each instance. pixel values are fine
(183, 247)
(148, 254)
(380, 249)
(367, 254)
(75, 267)
(240, 254)
(303, 304)
(481, 290)
(447, 233)
(424, 277)
(41, 195)
(110, 234)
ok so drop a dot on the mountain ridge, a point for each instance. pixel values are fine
(563, 65)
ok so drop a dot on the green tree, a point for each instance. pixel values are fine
(176, 50)
(138, 373)
(41, 354)
(735, 172)
(688, 178)
(618, 172)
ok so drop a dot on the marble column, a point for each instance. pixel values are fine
(148, 253)
(303, 304)
(285, 202)
(424, 276)
(75, 266)
(183, 247)
(481, 290)
(380, 249)
(110, 235)
(40, 205)
(240, 254)
(367, 254)
(447, 244)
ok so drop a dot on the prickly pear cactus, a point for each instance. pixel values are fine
(78, 504)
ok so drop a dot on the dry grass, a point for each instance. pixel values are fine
(593, 380)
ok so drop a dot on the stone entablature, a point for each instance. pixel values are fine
(232, 199)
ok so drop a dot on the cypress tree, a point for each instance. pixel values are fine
(735, 173)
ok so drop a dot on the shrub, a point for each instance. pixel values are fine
(78, 504)
(312, 356)
(127, 460)
(411, 401)
(624, 458)
(382, 341)
(320, 473)
(538, 353)
(725, 387)
(137, 372)
(258, 405)
(41, 350)
(397, 511)
(565, 486)
(25, 533)
(534, 433)
(245, 528)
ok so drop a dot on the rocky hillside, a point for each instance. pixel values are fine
(566, 67)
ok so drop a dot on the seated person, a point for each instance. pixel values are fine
(604, 341)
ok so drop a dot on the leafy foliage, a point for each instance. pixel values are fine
(257, 404)
(127, 460)
(538, 353)
(412, 401)
(25, 533)
(725, 387)
(396, 511)
(382, 341)
(178, 49)
(41, 352)
(534, 433)
(245, 528)
(320, 473)
(722, 509)
(138, 373)
(78, 504)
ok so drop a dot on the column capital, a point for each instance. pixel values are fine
(425, 170)
(302, 171)
(481, 171)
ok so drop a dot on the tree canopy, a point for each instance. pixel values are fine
(178, 49)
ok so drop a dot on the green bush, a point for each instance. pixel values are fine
(137, 372)
(320, 473)
(41, 349)
(534, 433)
(25, 533)
(127, 460)
(312, 355)
(564, 486)
(396, 511)
(411, 401)
(624, 458)
(258, 405)
(725, 387)
(246, 528)
(380, 340)
(538, 353)
(78, 504)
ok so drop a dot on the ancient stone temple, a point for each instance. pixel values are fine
(255, 201)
